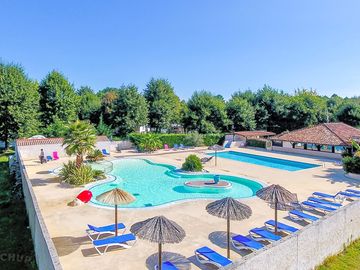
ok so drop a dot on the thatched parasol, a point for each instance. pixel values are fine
(116, 197)
(229, 209)
(159, 230)
(216, 148)
(277, 196)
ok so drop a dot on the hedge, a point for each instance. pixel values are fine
(258, 143)
(171, 139)
(211, 139)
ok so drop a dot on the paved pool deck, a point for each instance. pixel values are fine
(66, 225)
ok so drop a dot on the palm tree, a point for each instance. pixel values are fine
(80, 140)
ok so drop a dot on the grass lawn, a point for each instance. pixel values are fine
(349, 259)
(16, 248)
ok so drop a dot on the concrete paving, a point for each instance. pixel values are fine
(67, 225)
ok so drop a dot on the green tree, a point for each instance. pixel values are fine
(90, 103)
(164, 104)
(271, 110)
(129, 111)
(58, 128)
(108, 97)
(57, 99)
(306, 108)
(80, 140)
(241, 113)
(206, 113)
(19, 103)
(349, 113)
(104, 129)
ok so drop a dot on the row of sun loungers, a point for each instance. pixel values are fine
(255, 241)
(318, 202)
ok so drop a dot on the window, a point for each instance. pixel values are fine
(299, 146)
(340, 149)
(326, 148)
(312, 146)
(277, 143)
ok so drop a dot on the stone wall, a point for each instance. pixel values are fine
(308, 247)
(45, 252)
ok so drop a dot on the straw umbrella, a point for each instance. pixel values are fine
(278, 196)
(159, 230)
(116, 197)
(229, 209)
(216, 148)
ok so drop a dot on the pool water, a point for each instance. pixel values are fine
(155, 184)
(277, 163)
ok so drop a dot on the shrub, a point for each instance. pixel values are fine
(193, 139)
(84, 174)
(96, 155)
(169, 139)
(213, 138)
(351, 164)
(192, 164)
(147, 142)
(258, 143)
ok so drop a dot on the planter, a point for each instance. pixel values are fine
(354, 176)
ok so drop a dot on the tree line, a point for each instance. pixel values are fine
(29, 107)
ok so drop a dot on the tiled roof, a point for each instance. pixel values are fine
(24, 142)
(254, 133)
(325, 134)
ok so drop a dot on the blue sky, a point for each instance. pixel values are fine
(220, 46)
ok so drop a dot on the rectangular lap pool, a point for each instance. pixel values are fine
(277, 163)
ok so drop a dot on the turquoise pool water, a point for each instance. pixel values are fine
(157, 184)
(277, 163)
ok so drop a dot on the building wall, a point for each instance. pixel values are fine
(308, 247)
(45, 252)
(288, 149)
(29, 152)
(123, 145)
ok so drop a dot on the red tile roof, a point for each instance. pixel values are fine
(324, 134)
(255, 133)
(24, 142)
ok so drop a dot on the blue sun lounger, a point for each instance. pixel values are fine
(297, 215)
(109, 229)
(349, 195)
(105, 152)
(262, 234)
(270, 225)
(353, 191)
(121, 240)
(318, 207)
(167, 266)
(325, 202)
(206, 255)
(338, 196)
(176, 147)
(324, 195)
(240, 242)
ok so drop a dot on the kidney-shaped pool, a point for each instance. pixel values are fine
(154, 184)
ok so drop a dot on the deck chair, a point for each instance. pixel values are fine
(240, 242)
(121, 240)
(206, 255)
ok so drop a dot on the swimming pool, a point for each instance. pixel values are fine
(155, 184)
(277, 163)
